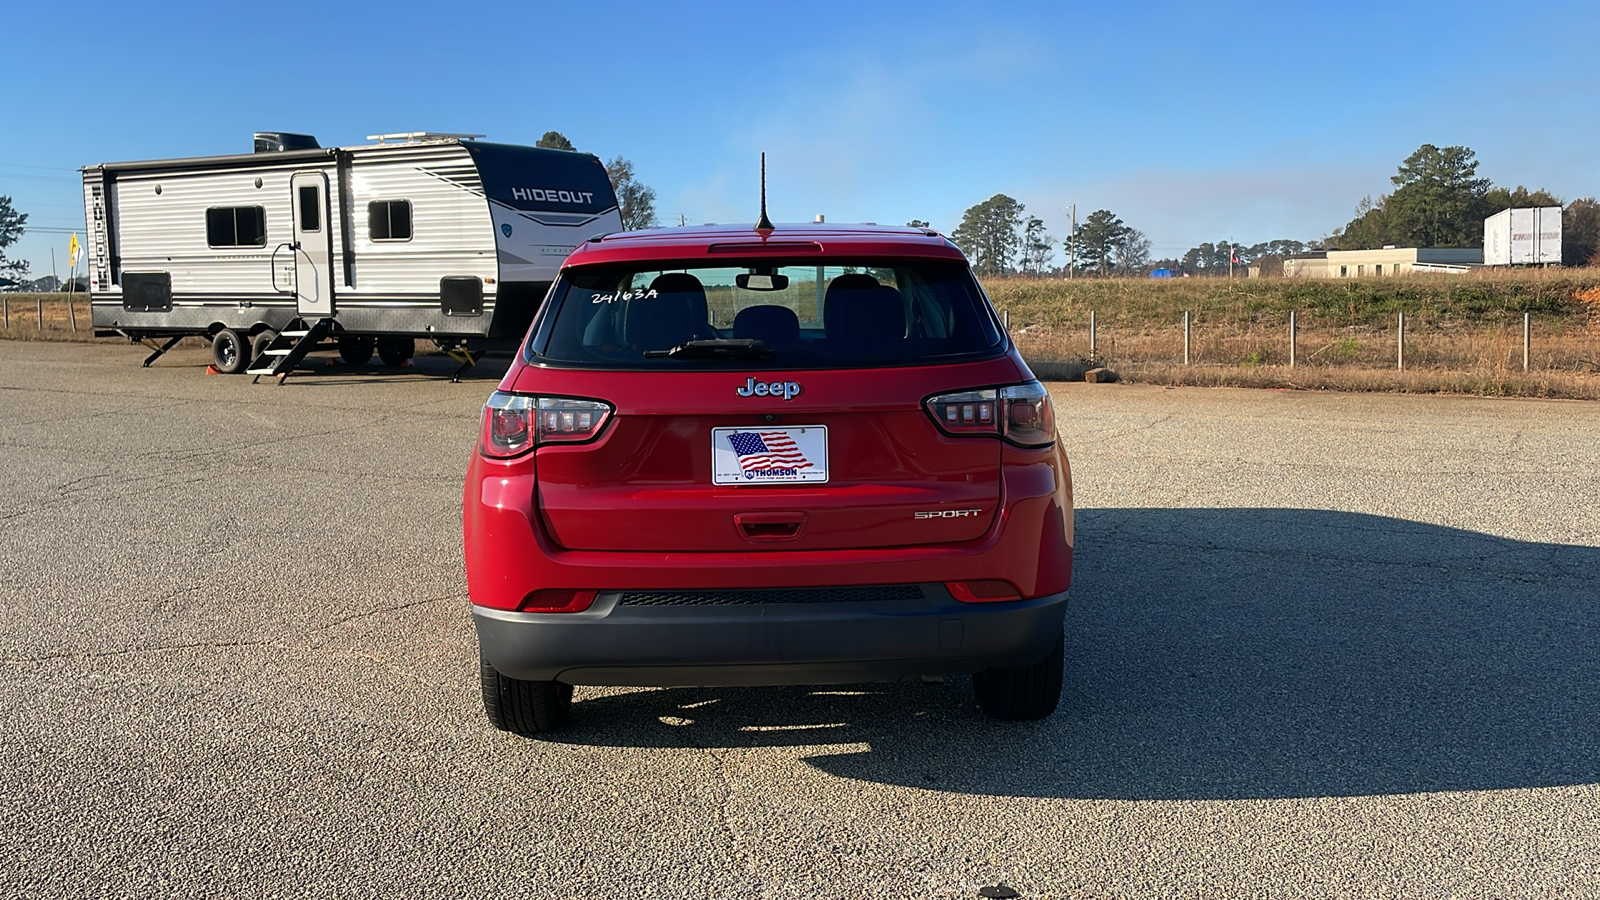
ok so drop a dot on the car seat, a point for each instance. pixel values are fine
(777, 326)
(677, 313)
(857, 309)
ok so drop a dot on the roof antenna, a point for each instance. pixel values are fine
(765, 224)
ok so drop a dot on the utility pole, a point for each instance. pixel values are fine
(1072, 243)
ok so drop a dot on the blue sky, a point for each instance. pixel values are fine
(1193, 122)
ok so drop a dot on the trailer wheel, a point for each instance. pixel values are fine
(395, 351)
(230, 353)
(355, 349)
(262, 342)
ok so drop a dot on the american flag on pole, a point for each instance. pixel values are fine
(767, 450)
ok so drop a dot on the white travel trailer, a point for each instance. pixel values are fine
(271, 253)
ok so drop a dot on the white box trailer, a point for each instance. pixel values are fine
(1523, 237)
(418, 235)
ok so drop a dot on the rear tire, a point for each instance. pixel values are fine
(261, 343)
(356, 349)
(1026, 692)
(528, 708)
(395, 351)
(230, 353)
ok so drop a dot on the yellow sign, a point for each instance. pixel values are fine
(72, 250)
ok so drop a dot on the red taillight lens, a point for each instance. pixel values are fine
(1030, 420)
(560, 600)
(988, 591)
(513, 424)
(1019, 413)
(507, 425)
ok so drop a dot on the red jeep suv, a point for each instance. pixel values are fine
(801, 455)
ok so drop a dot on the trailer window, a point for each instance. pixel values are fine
(310, 208)
(389, 220)
(236, 226)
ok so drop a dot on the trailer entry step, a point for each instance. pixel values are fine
(287, 350)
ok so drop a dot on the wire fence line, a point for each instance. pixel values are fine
(1412, 341)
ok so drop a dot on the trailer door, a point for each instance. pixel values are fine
(313, 241)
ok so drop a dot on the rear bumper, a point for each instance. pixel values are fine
(769, 644)
(509, 554)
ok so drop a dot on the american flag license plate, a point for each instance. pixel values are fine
(789, 454)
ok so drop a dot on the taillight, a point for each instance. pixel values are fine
(513, 424)
(1020, 413)
(1029, 418)
(967, 412)
(570, 421)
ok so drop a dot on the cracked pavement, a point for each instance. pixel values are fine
(1318, 645)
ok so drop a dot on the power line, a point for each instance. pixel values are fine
(47, 168)
(6, 176)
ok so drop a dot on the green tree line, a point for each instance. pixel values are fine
(1439, 200)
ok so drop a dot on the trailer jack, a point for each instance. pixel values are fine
(158, 348)
(461, 354)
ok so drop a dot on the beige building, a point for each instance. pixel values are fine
(1388, 261)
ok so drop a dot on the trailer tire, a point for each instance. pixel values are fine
(395, 351)
(355, 349)
(262, 342)
(230, 353)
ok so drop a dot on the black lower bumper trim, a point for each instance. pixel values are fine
(767, 644)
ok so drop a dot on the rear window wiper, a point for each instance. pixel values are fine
(717, 348)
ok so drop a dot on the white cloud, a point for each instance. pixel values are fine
(1179, 209)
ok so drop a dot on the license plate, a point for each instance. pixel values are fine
(790, 454)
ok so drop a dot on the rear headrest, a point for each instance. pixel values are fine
(684, 283)
(773, 324)
(863, 309)
(676, 314)
(838, 289)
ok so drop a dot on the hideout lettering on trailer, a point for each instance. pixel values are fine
(551, 195)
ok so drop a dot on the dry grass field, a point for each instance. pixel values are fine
(1463, 333)
(21, 316)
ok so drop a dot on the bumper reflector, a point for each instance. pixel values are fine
(993, 591)
(559, 600)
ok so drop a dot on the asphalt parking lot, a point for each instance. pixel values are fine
(1318, 645)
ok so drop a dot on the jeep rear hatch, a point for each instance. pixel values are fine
(763, 407)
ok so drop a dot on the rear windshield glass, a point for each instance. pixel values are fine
(803, 316)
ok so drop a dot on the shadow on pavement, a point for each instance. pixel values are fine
(1227, 654)
(490, 368)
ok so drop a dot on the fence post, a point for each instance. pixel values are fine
(1292, 337)
(1005, 316)
(1400, 346)
(6, 301)
(39, 298)
(1527, 338)
(1186, 337)
(1093, 351)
